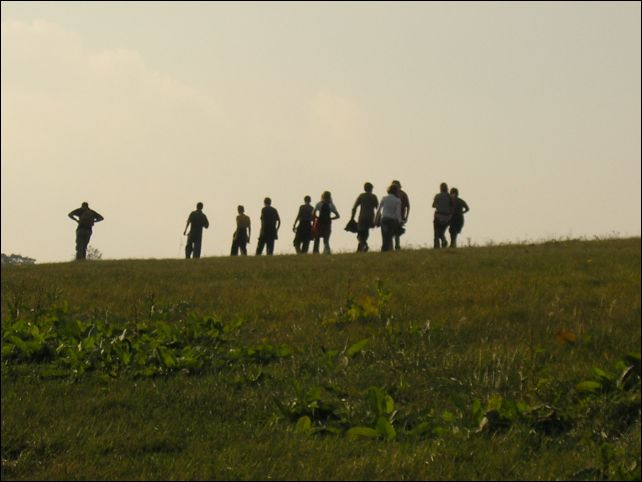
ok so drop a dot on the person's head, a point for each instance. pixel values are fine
(326, 196)
(454, 192)
(307, 199)
(199, 206)
(85, 205)
(367, 187)
(267, 201)
(240, 209)
(393, 189)
(396, 183)
(443, 187)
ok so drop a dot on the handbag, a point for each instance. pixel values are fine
(314, 231)
(352, 226)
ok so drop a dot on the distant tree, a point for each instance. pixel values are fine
(16, 259)
(94, 253)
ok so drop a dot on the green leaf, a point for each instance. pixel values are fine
(588, 386)
(167, 357)
(365, 432)
(603, 375)
(304, 425)
(385, 428)
(448, 417)
(420, 429)
(357, 347)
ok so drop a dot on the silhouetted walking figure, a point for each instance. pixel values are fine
(270, 224)
(304, 229)
(367, 203)
(197, 221)
(389, 216)
(457, 220)
(443, 212)
(323, 212)
(241, 236)
(85, 218)
(405, 210)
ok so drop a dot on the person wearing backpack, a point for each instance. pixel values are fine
(197, 220)
(85, 218)
(323, 216)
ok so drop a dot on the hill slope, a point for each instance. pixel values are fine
(510, 362)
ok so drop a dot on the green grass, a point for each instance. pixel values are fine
(452, 364)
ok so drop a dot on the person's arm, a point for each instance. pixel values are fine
(378, 214)
(465, 206)
(298, 217)
(407, 210)
(398, 212)
(249, 229)
(354, 208)
(97, 217)
(207, 222)
(188, 221)
(334, 210)
(72, 214)
(434, 202)
(278, 220)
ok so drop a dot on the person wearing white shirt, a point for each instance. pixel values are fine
(389, 213)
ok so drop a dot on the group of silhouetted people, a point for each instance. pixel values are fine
(314, 223)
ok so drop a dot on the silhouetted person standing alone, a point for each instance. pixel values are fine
(85, 218)
(270, 224)
(457, 221)
(242, 234)
(197, 220)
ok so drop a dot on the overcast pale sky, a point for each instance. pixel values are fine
(143, 109)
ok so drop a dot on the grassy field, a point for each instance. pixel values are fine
(496, 363)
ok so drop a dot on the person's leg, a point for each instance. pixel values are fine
(197, 247)
(259, 246)
(386, 235)
(270, 246)
(235, 248)
(453, 237)
(397, 241)
(305, 246)
(436, 239)
(315, 247)
(326, 245)
(361, 237)
(82, 241)
(79, 245)
(297, 243)
(442, 235)
(243, 247)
